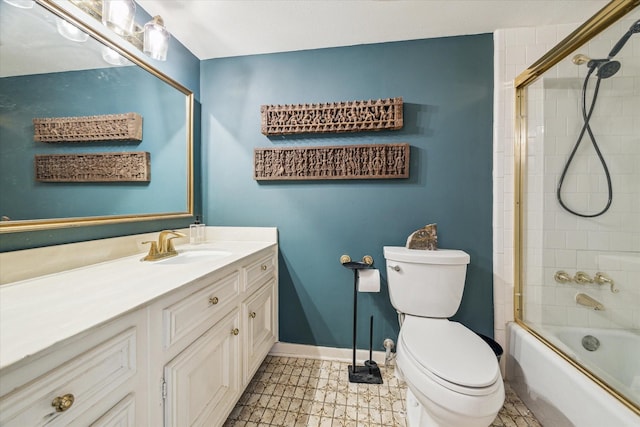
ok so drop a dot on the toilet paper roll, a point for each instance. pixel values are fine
(369, 280)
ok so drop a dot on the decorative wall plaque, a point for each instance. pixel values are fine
(94, 167)
(373, 161)
(108, 127)
(350, 116)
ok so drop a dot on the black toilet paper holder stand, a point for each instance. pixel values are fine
(370, 372)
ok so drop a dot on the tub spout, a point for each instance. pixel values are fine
(587, 301)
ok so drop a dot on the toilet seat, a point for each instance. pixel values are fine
(450, 354)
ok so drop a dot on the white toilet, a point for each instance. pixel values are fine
(452, 375)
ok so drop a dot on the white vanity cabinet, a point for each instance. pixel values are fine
(177, 359)
(230, 325)
(80, 382)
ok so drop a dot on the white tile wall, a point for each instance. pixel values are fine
(610, 243)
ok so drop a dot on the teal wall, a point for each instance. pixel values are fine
(447, 87)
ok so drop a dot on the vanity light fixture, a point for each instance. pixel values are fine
(118, 15)
(70, 31)
(156, 39)
(23, 4)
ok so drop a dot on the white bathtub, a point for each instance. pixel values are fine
(555, 391)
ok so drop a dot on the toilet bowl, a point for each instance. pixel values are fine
(452, 375)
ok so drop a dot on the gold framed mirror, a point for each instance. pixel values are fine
(44, 74)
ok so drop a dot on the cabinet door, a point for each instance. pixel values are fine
(260, 318)
(203, 382)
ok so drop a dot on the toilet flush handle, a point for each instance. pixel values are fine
(395, 267)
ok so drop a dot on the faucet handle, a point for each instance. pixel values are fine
(153, 251)
(164, 241)
(562, 277)
(603, 279)
(582, 278)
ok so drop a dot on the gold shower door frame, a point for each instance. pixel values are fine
(608, 15)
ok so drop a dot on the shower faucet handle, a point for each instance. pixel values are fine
(603, 279)
(582, 278)
(562, 277)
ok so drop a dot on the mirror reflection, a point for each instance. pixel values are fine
(50, 69)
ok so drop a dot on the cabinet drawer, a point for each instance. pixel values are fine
(200, 310)
(259, 271)
(83, 382)
(121, 415)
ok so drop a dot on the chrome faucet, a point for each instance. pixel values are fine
(163, 248)
(587, 301)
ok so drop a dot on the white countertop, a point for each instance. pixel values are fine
(40, 312)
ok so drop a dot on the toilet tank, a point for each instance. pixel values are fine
(426, 283)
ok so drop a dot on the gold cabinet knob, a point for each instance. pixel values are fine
(213, 300)
(264, 267)
(252, 315)
(235, 331)
(62, 403)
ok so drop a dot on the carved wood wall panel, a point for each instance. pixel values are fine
(372, 161)
(334, 117)
(108, 127)
(128, 166)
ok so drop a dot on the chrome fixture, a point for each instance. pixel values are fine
(562, 277)
(388, 345)
(587, 301)
(590, 343)
(582, 278)
(603, 279)
(119, 16)
(163, 248)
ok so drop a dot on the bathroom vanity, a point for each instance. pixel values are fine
(131, 343)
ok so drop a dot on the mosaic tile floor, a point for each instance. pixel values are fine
(297, 392)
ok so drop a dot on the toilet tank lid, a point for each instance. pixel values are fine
(419, 256)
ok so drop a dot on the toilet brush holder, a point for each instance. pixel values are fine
(370, 372)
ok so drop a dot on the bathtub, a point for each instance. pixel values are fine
(559, 394)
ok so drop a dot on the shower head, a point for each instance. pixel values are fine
(604, 68)
(635, 28)
(607, 69)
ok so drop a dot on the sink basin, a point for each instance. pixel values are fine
(195, 255)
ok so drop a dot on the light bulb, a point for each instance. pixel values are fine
(118, 15)
(156, 39)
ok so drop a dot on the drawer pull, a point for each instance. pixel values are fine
(252, 315)
(264, 267)
(235, 331)
(62, 403)
(213, 300)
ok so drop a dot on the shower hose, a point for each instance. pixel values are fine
(586, 129)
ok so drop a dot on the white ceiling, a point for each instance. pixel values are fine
(223, 28)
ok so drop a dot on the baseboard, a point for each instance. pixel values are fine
(304, 351)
